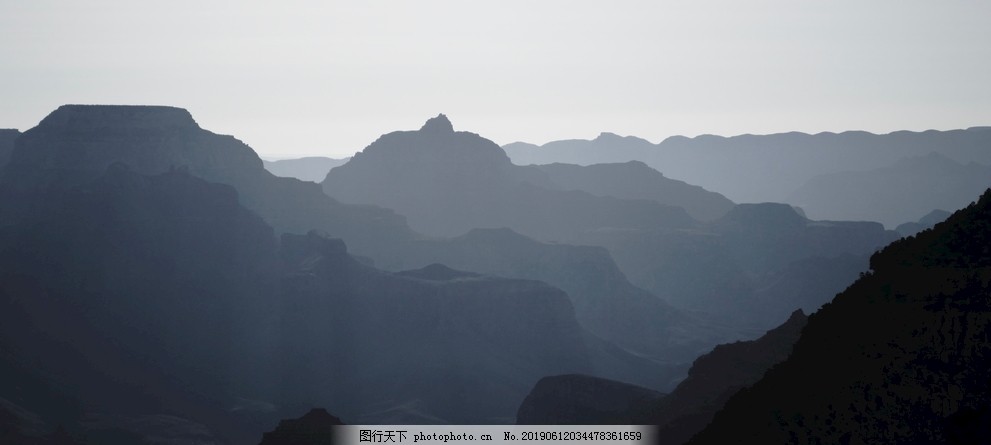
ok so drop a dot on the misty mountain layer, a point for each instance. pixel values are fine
(894, 194)
(447, 183)
(753, 168)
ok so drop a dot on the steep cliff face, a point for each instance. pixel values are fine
(712, 380)
(715, 377)
(900, 357)
(77, 143)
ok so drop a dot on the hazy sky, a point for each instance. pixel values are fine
(294, 78)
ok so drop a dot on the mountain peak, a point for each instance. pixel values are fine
(439, 124)
(101, 117)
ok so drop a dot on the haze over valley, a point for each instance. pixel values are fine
(238, 224)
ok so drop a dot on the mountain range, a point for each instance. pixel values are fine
(447, 183)
(762, 168)
(744, 257)
(159, 285)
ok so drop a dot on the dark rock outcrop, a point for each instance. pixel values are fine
(715, 377)
(582, 400)
(901, 356)
(313, 428)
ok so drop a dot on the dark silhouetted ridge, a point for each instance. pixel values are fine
(582, 400)
(715, 377)
(313, 428)
(901, 356)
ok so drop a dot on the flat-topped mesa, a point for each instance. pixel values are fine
(79, 118)
(439, 124)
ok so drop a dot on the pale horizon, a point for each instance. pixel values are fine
(317, 79)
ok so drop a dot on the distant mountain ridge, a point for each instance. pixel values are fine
(783, 162)
(926, 222)
(893, 194)
(312, 168)
(635, 180)
(448, 182)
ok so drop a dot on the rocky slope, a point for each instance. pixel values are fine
(582, 400)
(313, 428)
(900, 357)
(713, 379)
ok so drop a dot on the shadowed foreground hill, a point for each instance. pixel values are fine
(314, 428)
(714, 377)
(902, 356)
(582, 400)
